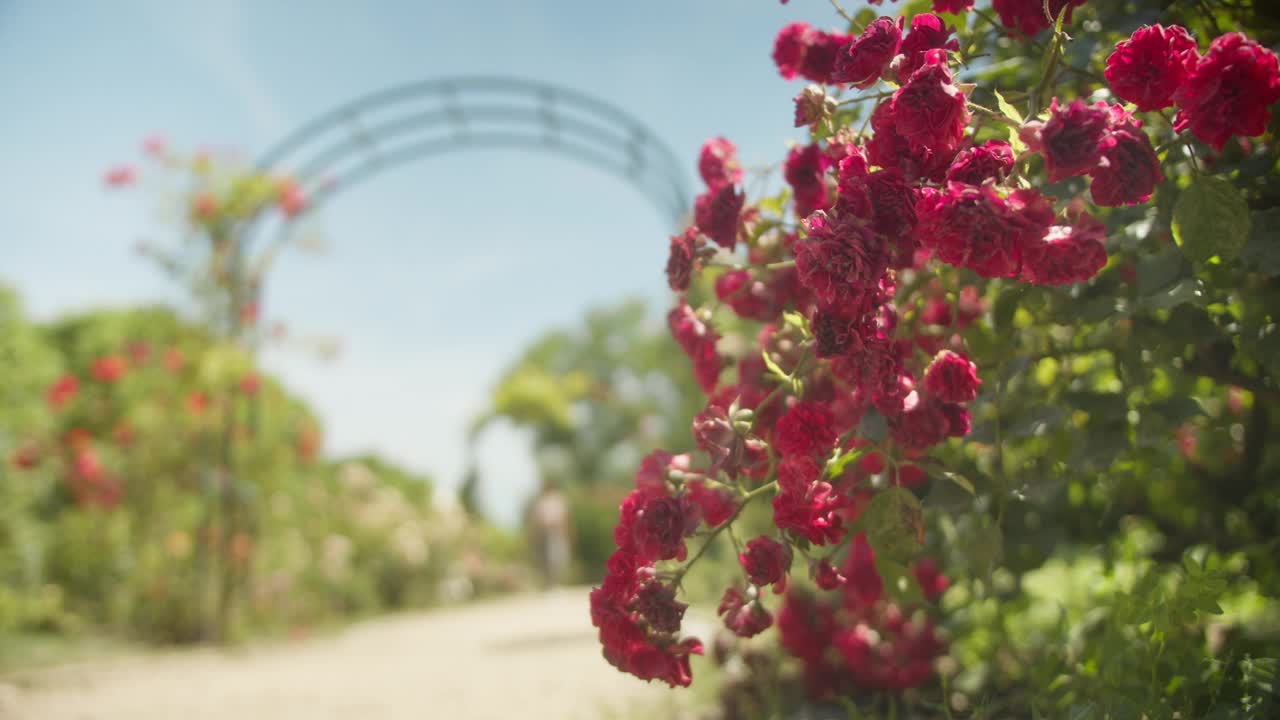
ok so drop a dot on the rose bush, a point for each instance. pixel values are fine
(1003, 293)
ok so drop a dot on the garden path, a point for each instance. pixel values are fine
(527, 656)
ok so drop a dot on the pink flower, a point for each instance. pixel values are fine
(975, 227)
(651, 476)
(932, 582)
(819, 60)
(952, 6)
(952, 378)
(1067, 253)
(290, 198)
(930, 110)
(889, 148)
(250, 383)
(155, 145)
(745, 618)
(718, 214)
(992, 160)
(827, 577)
(731, 452)
(863, 585)
(766, 562)
(1071, 139)
(109, 368)
(88, 466)
(718, 163)
(921, 425)
(715, 503)
(928, 34)
(120, 176)
(790, 46)
(1151, 65)
(863, 60)
(661, 525)
(698, 340)
(841, 262)
(812, 106)
(1230, 91)
(680, 261)
(62, 391)
(806, 429)
(805, 171)
(1129, 169)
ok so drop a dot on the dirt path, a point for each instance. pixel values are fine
(528, 657)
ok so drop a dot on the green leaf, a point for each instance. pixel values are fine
(836, 467)
(773, 366)
(1015, 117)
(1211, 219)
(798, 321)
(1263, 250)
(960, 480)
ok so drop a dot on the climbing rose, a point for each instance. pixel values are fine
(717, 213)
(930, 109)
(928, 33)
(684, 248)
(812, 105)
(1067, 253)
(656, 602)
(1130, 169)
(826, 576)
(698, 340)
(766, 561)
(840, 261)
(120, 176)
(661, 525)
(952, 378)
(746, 618)
(62, 391)
(109, 368)
(921, 424)
(932, 582)
(975, 227)
(820, 56)
(992, 160)
(805, 430)
(863, 585)
(1151, 65)
(789, 48)
(1230, 91)
(718, 163)
(805, 171)
(952, 6)
(863, 60)
(1028, 16)
(715, 503)
(730, 451)
(1070, 139)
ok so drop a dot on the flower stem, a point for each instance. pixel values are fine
(746, 499)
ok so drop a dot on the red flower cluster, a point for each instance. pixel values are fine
(1228, 91)
(858, 369)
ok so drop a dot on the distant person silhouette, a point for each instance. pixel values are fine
(549, 522)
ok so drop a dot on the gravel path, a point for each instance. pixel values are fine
(528, 657)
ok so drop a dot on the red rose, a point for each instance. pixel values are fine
(766, 562)
(930, 109)
(718, 163)
(952, 378)
(805, 430)
(1230, 91)
(1151, 65)
(992, 160)
(864, 59)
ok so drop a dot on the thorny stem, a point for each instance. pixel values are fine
(746, 499)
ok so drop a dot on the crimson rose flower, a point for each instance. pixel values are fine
(1151, 65)
(1230, 91)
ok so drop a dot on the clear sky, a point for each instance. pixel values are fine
(436, 273)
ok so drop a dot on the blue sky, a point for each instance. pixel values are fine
(436, 273)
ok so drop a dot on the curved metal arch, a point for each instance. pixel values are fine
(393, 126)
